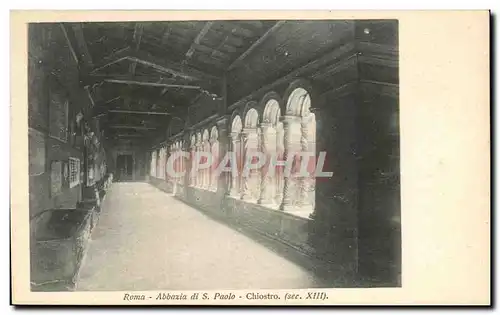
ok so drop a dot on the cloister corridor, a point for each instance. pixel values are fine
(147, 239)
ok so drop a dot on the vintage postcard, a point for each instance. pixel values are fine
(250, 158)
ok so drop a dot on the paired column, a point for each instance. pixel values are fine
(174, 179)
(280, 150)
(290, 124)
(268, 149)
(303, 196)
(235, 147)
(286, 203)
(192, 180)
(250, 178)
(197, 174)
(222, 179)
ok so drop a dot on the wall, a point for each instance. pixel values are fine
(335, 231)
(52, 76)
(379, 203)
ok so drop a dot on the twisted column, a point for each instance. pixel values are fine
(278, 171)
(223, 141)
(196, 161)
(316, 116)
(286, 202)
(303, 199)
(245, 189)
(265, 196)
(192, 181)
(174, 179)
(234, 192)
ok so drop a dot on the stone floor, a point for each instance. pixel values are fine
(148, 240)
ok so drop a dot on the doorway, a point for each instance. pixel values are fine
(124, 167)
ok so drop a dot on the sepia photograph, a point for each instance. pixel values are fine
(214, 160)
(171, 152)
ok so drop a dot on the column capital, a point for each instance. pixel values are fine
(307, 119)
(234, 136)
(248, 131)
(267, 127)
(287, 119)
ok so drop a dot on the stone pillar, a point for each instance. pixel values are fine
(191, 176)
(235, 189)
(278, 171)
(174, 180)
(266, 182)
(303, 196)
(222, 179)
(245, 189)
(197, 174)
(186, 164)
(287, 202)
(203, 172)
(250, 182)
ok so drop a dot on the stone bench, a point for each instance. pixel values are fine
(58, 242)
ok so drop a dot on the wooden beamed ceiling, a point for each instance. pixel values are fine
(141, 74)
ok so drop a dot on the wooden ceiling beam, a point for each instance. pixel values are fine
(138, 31)
(137, 112)
(133, 82)
(108, 63)
(174, 68)
(211, 51)
(256, 44)
(164, 64)
(130, 135)
(89, 94)
(131, 127)
(211, 61)
(198, 38)
(228, 37)
(82, 45)
(70, 44)
(97, 78)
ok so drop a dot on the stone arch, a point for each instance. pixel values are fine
(251, 118)
(252, 107)
(301, 129)
(293, 94)
(236, 128)
(272, 112)
(250, 144)
(298, 103)
(206, 135)
(272, 145)
(272, 95)
(214, 134)
(236, 124)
